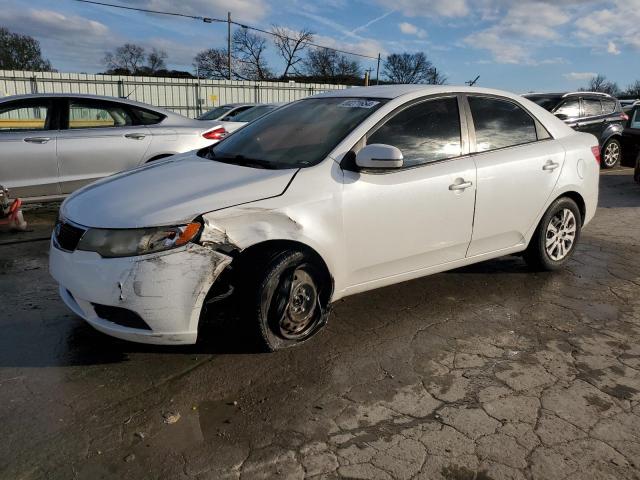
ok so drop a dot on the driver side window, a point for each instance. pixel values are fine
(426, 132)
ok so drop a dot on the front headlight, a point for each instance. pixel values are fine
(136, 241)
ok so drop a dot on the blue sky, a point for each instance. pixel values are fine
(514, 45)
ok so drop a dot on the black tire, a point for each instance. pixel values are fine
(611, 154)
(537, 254)
(268, 299)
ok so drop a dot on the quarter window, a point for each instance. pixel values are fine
(570, 108)
(426, 132)
(500, 124)
(591, 107)
(146, 117)
(608, 106)
(24, 116)
(86, 114)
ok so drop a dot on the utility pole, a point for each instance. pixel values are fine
(471, 83)
(367, 76)
(229, 43)
(378, 71)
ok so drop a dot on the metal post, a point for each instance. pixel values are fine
(366, 78)
(378, 71)
(33, 81)
(229, 43)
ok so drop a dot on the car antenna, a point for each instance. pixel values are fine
(132, 91)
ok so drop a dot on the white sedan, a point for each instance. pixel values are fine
(326, 197)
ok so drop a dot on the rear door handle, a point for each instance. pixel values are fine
(135, 136)
(550, 166)
(37, 139)
(460, 186)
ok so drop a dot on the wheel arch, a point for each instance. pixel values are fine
(245, 258)
(576, 197)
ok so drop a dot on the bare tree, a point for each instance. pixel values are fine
(329, 65)
(156, 60)
(412, 68)
(249, 51)
(127, 58)
(21, 52)
(633, 90)
(599, 83)
(290, 45)
(213, 63)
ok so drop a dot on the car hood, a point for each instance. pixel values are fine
(170, 192)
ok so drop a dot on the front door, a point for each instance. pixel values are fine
(28, 132)
(101, 139)
(418, 216)
(518, 167)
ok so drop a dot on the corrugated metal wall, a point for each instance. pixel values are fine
(187, 96)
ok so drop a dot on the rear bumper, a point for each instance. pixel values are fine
(165, 290)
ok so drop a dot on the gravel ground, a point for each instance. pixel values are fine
(487, 372)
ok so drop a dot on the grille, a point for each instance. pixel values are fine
(120, 316)
(68, 236)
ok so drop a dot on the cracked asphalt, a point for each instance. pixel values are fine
(487, 372)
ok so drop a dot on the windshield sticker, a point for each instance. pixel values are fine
(358, 104)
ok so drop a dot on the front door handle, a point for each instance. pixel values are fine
(550, 166)
(462, 185)
(135, 136)
(37, 139)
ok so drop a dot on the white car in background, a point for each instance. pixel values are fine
(52, 144)
(326, 197)
(249, 116)
(226, 112)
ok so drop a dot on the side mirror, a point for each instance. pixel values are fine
(378, 155)
(561, 116)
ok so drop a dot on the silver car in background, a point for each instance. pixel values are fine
(53, 144)
(249, 116)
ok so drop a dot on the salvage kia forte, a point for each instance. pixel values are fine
(326, 197)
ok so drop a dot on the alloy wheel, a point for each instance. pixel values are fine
(611, 154)
(561, 234)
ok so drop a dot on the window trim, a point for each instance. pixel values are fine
(472, 127)
(52, 118)
(348, 161)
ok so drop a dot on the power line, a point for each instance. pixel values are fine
(219, 20)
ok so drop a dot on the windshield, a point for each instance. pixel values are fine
(253, 113)
(215, 113)
(297, 135)
(548, 103)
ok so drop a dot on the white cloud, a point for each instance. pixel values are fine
(241, 10)
(431, 8)
(579, 76)
(612, 48)
(410, 29)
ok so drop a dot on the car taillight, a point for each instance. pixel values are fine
(215, 134)
(596, 153)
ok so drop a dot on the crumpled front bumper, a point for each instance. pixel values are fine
(166, 290)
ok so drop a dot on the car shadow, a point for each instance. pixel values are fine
(622, 190)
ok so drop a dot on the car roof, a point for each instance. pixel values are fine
(146, 106)
(568, 94)
(396, 91)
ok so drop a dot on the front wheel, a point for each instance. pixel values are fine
(286, 299)
(556, 237)
(611, 153)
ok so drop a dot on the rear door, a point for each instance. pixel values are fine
(518, 165)
(101, 138)
(592, 118)
(28, 131)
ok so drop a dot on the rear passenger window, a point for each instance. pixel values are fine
(500, 124)
(426, 132)
(90, 114)
(608, 106)
(145, 117)
(570, 108)
(591, 107)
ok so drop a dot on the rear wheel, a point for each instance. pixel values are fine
(611, 153)
(284, 299)
(556, 237)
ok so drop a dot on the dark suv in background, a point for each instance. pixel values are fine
(590, 112)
